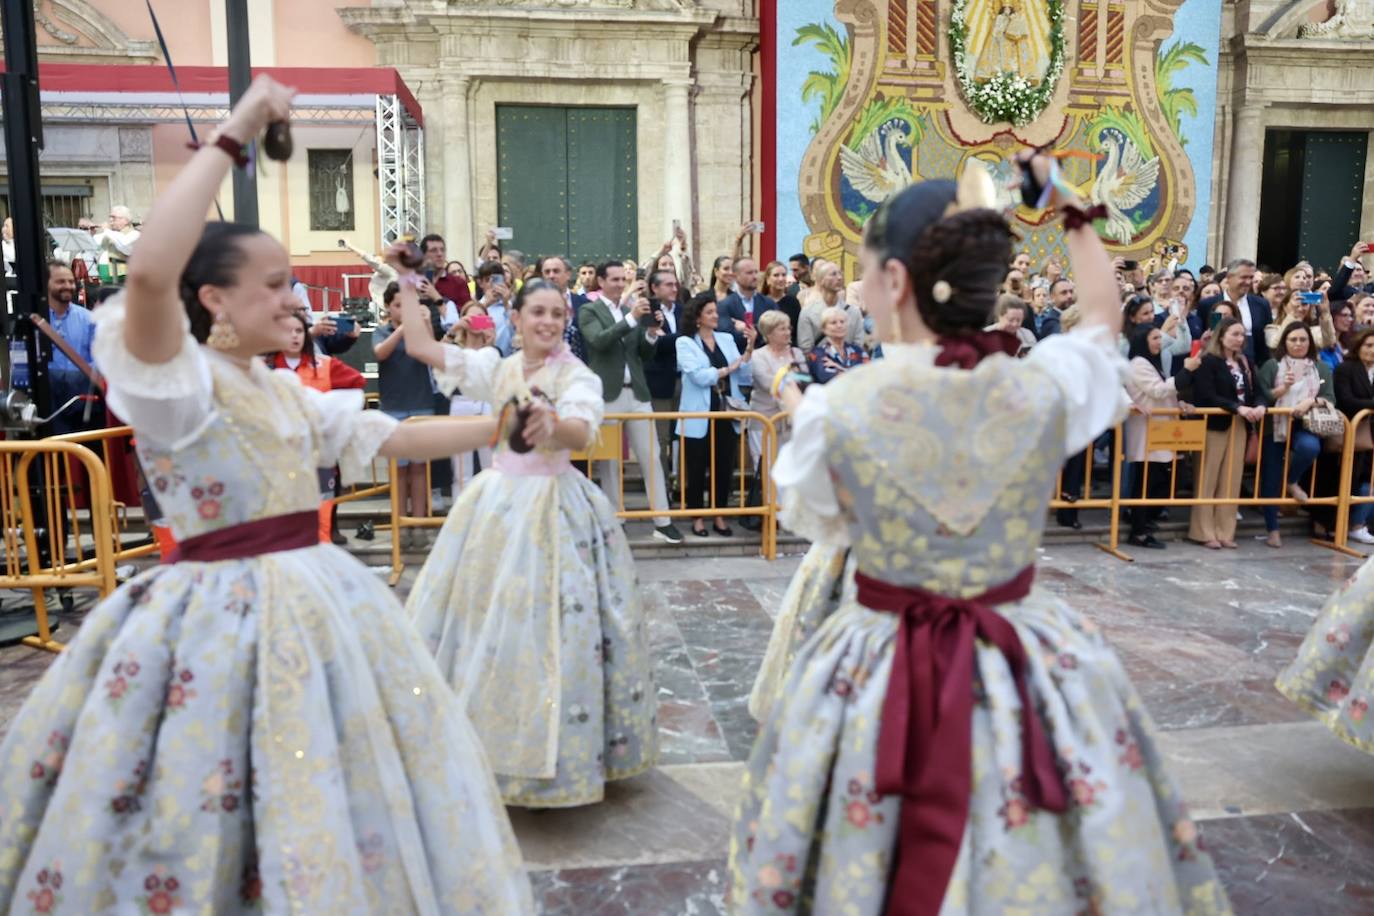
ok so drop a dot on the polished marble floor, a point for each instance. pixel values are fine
(1287, 810)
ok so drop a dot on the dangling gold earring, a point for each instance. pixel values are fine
(222, 334)
(895, 326)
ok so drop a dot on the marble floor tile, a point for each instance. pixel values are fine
(1288, 809)
(1295, 864)
(648, 820)
(677, 889)
(1268, 769)
(726, 633)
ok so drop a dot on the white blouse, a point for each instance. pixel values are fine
(477, 373)
(172, 403)
(1086, 369)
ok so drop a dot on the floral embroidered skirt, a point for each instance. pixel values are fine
(529, 602)
(814, 593)
(263, 735)
(812, 835)
(1333, 674)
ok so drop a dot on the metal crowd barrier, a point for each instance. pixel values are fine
(92, 545)
(609, 447)
(106, 441)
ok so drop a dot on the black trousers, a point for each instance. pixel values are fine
(697, 458)
(1075, 469)
(1155, 487)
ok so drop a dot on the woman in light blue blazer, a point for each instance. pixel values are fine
(706, 360)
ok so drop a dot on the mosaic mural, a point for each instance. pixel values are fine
(875, 94)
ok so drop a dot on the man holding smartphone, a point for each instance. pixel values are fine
(447, 288)
(665, 385)
(496, 299)
(618, 332)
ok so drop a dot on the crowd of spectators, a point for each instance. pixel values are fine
(664, 339)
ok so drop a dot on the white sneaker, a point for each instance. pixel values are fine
(1362, 535)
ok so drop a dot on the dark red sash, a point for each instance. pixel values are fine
(251, 539)
(925, 742)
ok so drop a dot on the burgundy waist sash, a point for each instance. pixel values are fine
(251, 539)
(925, 742)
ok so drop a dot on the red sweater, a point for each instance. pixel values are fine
(325, 374)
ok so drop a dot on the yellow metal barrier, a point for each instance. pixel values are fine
(104, 442)
(609, 448)
(21, 530)
(1168, 429)
(1180, 434)
(1353, 444)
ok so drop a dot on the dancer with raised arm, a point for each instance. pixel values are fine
(528, 598)
(254, 726)
(952, 740)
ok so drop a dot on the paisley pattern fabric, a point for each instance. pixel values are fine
(1333, 674)
(529, 602)
(934, 496)
(257, 735)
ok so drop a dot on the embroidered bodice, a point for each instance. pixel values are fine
(221, 446)
(485, 375)
(940, 477)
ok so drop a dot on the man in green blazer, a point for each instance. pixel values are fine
(618, 334)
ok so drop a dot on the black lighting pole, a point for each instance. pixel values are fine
(23, 140)
(240, 75)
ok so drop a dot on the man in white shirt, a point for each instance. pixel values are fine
(618, 333)
(116, 238)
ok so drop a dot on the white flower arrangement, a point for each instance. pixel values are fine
(1006, 96)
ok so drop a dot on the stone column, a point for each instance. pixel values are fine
(1367, 210)
(456, 186)
(1243, 182)
(677, 161)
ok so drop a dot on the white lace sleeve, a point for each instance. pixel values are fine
(472, 372)
(164, 402)
(1091, 377)
(581, 398)
(810, 507)
(346, 434)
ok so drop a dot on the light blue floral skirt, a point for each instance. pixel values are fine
(812, 834)
(263, 735)
(530, 604)
(1333, 674)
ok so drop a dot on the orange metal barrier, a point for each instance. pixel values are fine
(1186, 433)
(609, 447)
(22, 566)
(1357, 440)
(104, 443)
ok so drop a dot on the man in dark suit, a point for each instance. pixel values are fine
(660, 370)
(1063, 294)
(741, 310)
(1254, 311)
(558, 270)
(619, 333)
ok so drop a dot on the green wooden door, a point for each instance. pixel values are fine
(567, 180)
(1332, 188)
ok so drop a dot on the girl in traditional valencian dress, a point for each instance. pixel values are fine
(952, 740)
(528, 598)
(254, 727)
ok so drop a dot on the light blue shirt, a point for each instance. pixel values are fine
(77, 328)
(505, 331)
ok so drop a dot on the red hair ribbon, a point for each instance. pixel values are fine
(968, 350)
